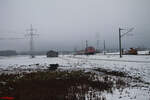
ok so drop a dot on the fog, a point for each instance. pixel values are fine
(67, 24)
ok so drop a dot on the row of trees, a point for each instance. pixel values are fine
(8, 53)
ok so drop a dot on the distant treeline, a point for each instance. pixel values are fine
(42, 52)
(35, 53)
(8, 53)
(13, 52)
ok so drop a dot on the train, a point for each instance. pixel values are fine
(88, 51)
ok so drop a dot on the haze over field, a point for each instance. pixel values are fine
(65, 24)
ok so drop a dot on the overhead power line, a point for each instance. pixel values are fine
(11, 38)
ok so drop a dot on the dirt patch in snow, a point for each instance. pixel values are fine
(57, 85)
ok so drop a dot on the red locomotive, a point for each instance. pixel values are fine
(90, 50)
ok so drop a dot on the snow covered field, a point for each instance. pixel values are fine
(135, 66)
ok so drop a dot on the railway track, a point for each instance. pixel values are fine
(112, 60)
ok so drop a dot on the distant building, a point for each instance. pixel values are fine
(52, 53)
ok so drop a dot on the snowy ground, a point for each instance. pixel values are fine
(136, 66)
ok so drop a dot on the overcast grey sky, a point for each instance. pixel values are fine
(65, 24)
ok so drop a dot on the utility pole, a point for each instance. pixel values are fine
(86, 47)
(120, 42)
(82, 45)
(120, 36)
(104, 48)
(97, 47)
(31, 35)
(86, 43)
(97, 38)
